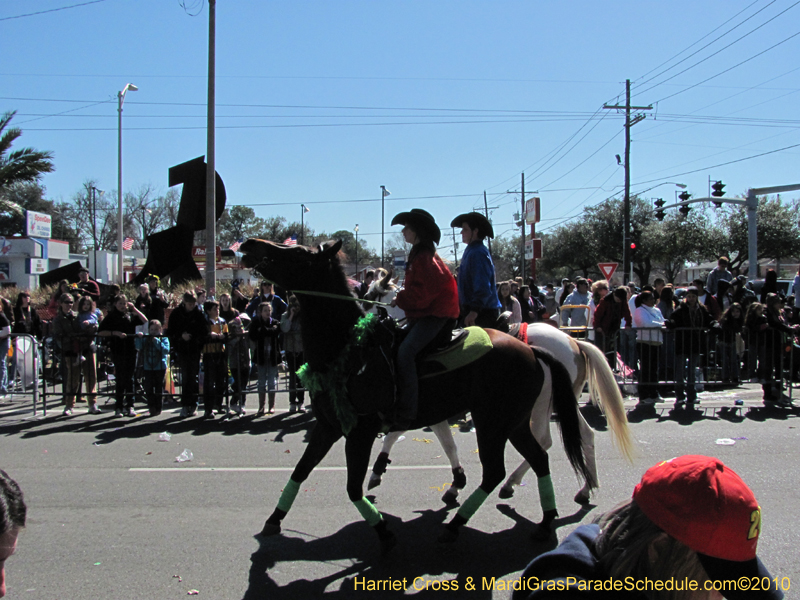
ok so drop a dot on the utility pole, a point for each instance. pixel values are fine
(522, 227)
(627, 266)
(211, 170)
(486, 213)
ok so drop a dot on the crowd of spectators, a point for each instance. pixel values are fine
(216, 348)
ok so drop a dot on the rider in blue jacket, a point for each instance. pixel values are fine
(477, 290)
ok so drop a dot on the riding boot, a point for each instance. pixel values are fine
(262, 399)
(271, 402)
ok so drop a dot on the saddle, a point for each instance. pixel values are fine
(373, 375)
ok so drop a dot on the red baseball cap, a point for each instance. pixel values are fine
(706, 506)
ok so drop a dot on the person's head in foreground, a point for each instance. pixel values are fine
(691, 521)
(12, 519)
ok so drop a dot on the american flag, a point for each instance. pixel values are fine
(127, 243)
(235, 245)
(290, 241)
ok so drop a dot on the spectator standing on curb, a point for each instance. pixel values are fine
(120, 326)
(267, 294)
(66, 332)
(158, 299)
(477, 288)
(717, 274)
(648, 321)
(576, 317)
(187, 331)
(263, 332)
(155, 354)
(89, 321)
(88, 286)
(215, 367)
(238, 351)
(611, 312)
(293, 346)
(691, 320)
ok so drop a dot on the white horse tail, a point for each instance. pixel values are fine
(605, 394)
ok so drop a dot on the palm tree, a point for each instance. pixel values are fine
(25, 164)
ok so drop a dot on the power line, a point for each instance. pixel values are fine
(639, 84)
(41, 12)
(730, 68)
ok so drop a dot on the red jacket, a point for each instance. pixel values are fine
(609, 315)
(430, 289)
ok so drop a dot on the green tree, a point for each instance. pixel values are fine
(30, 196)
(778, 230)
(239, 223)
(679, 239)
(25, 164)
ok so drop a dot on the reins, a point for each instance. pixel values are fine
(339, 297)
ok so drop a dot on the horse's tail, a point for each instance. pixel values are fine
(565, 405)
(604, 392)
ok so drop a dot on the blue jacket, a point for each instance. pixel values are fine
(155, 351)
(477, 289)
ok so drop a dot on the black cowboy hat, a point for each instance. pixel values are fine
(475, 220)
(421, 222)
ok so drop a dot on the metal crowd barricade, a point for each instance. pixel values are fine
(578, 332)
(768, 358)
(53, 376)
(25, 366)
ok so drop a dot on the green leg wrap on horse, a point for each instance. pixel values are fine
(368, 511)
(472, 504)
(288, 495)
(547, 495)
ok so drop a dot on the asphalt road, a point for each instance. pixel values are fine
(113, 515)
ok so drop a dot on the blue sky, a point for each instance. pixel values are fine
(322, 102)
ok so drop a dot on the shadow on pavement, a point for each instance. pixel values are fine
(352, 556)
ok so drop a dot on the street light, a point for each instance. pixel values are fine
(303, 210)
(384, 193)
(356, 230)
(120, 99)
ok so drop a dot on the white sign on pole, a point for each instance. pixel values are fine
(38, 224)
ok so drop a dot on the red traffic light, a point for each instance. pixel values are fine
(633, 246)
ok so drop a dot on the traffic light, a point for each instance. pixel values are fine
(684, 196)
(659, 213)
(719, 192)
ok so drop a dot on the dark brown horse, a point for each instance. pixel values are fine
(498, 389)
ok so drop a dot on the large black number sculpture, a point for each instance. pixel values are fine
(171, 249)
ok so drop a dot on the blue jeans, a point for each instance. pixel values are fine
(682, 390)
(4, 345)
(420, 334)
(267, 378)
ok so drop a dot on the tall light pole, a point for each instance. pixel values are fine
(384, 193)
(356, 230)
(120, 256)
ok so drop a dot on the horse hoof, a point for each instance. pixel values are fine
(374, 481)
(450, 496)
(448, 536)
(388, 543)
(270, 529)
(459, 478)
(506, 493)
(582, 497)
